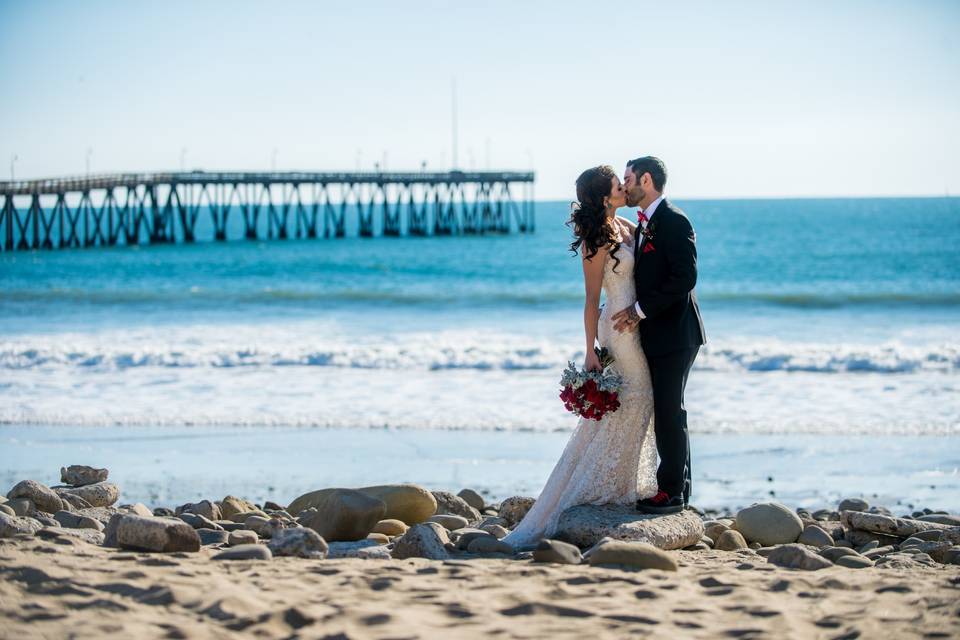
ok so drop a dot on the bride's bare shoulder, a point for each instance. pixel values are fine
(629, 223)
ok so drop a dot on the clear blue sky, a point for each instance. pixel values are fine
(739, 98)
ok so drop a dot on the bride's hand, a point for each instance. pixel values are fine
(592, 362)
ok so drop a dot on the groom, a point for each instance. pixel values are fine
(668, 317)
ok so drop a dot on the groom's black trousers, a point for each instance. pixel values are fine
(668, 373)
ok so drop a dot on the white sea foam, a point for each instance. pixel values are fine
(448, 350)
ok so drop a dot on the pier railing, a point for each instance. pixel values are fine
(156, 208)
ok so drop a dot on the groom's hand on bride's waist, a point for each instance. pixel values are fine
(626, 319)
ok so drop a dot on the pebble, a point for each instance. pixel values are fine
(853, 504)
(466, 536)
(449, 504)
(205, 508)
(472, 498)
(873, 554)
(299, 542)
(854, 562)
(212, 536)
(46, 519)
(343, 514)
(935, 549)
(390, 527)
(449, 522)
(198, 521)
(873, 544)
(7, 510)
(22, 507)
(857, 538)
(826, 514)
(16, 525)
(929, 536)
(245, 552)
(815, 536)
(557, 552)
(364, 549)
(489, 520)
(43, 497)
(797, 556)
(700, 546)
(242, 536)
(138, 509)
(489, 544)
(256, 523)
(379, 538)
(128, 531)
(77, 521)
(242, 517)
(98, 494)
(79, 475)
(103, 514)
(232, 505)
(769, 523)
(952, 556)
(496, 530)
(422, 541)
(941, 518)
(713, 529)
(512, 510)
(631, 554)
(730, 540)
(835, 553)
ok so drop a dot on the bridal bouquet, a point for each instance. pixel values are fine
(591, 394)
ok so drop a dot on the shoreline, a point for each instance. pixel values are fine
(170, 465)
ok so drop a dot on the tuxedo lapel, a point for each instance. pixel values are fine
(638, 247)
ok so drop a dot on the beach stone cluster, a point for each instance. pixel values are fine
(855, 535)
(401, 521)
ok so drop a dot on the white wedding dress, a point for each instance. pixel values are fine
(613, 460)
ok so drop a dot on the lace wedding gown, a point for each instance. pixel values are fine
(613, 460)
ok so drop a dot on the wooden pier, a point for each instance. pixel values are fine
(158, 208)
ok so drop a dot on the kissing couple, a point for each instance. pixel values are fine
(651, 324)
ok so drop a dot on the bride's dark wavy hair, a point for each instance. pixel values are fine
(588, 216)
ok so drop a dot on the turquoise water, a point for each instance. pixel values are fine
(826, 319)
(814, 309)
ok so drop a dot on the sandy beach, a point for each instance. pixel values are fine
(401, 561)
(58, 588)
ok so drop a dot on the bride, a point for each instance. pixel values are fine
(613, 460)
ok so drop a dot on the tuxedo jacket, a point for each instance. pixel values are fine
(665, 274)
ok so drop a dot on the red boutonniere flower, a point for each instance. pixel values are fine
(648, 236)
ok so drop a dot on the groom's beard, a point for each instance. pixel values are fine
(635, 196)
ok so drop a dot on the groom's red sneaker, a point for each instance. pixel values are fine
(661, 503)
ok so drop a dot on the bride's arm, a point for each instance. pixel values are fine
(593, 280)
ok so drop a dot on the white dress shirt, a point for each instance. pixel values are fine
(649, 212)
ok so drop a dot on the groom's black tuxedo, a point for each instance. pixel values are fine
(665, 273)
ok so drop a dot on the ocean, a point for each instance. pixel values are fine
(832, 326)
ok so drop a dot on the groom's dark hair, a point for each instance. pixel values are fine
(652, 165)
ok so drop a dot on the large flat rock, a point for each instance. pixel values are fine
(887, 525)
(586, 525)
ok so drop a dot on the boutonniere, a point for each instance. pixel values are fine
(648, 233)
